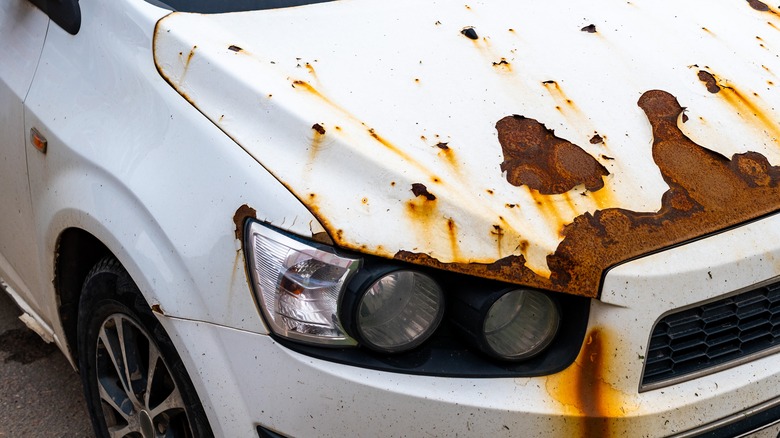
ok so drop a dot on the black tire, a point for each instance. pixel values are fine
(117, 331)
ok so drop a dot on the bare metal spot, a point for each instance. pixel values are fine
(535, 157)
(419, 189)
(710, 81)
(591, 28)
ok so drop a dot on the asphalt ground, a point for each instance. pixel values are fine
(40, 393)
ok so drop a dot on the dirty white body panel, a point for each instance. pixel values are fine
(414, 81)
(159, 184)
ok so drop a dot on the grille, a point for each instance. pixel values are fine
(713, 334)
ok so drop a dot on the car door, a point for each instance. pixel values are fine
(23, 28)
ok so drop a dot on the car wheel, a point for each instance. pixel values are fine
(134, 381)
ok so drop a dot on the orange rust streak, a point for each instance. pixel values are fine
(547, 208)
(583, 391)
(303, 85)
(748, 107)
(452, 232)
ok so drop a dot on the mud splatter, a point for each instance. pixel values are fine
(25, 346)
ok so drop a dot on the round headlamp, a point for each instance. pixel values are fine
(509, 325)
(393, 311)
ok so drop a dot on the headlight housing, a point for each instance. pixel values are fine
(316, 295)
(298, 286)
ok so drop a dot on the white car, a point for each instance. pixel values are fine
(399, 218)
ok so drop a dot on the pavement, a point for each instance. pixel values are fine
(40, 393)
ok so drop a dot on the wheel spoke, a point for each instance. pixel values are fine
(111, 342)
(151, 369)
(129, 339)
(120, 431)
(173, 402)
(115, 397)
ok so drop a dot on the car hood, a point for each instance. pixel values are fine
(534, 142)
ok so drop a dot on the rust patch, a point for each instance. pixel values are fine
(534, 156)
(707, 193)
(758, 5)
(235, 48)
(591, 28)
(596, 139)
(710, 81)
(419, 189)
(442, 145)
(240, 217)
(318, 128)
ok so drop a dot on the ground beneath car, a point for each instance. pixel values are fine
(40, 394)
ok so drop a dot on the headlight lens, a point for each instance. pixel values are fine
(299, 286)
(399, 311)
(520, 324)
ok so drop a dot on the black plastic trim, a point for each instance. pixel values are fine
(65, 13)
(218, 7)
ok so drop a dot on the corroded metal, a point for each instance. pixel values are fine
(707, 193)
(535, 157)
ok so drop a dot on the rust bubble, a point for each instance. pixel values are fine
(419, 189)
(591, 28)
(758, 5)
(710, 81)
(535, 157)
(240, 217)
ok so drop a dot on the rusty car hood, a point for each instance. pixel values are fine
(533, 142)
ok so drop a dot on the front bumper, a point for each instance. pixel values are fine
(247, 379)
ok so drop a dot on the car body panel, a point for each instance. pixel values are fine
(438, 178)
(596, 396)
(23, 28)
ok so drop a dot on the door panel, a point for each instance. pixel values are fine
(22, 32)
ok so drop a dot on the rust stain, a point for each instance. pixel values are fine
(547, 206)
(534, 156)
(584, 392)
(747, 107)
(707, 193)
(452, 233)
(498, 233)
(316, 141)
(187, 61)
(240, 217)
(419, 189)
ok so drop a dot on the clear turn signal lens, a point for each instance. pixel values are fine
(298, 286)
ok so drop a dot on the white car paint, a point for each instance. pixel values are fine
(145, 172)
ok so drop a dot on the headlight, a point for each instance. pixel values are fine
(509, 324)
(298, 286)
(393, 311)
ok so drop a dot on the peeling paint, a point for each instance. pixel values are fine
(535, 157)
(240, 217)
